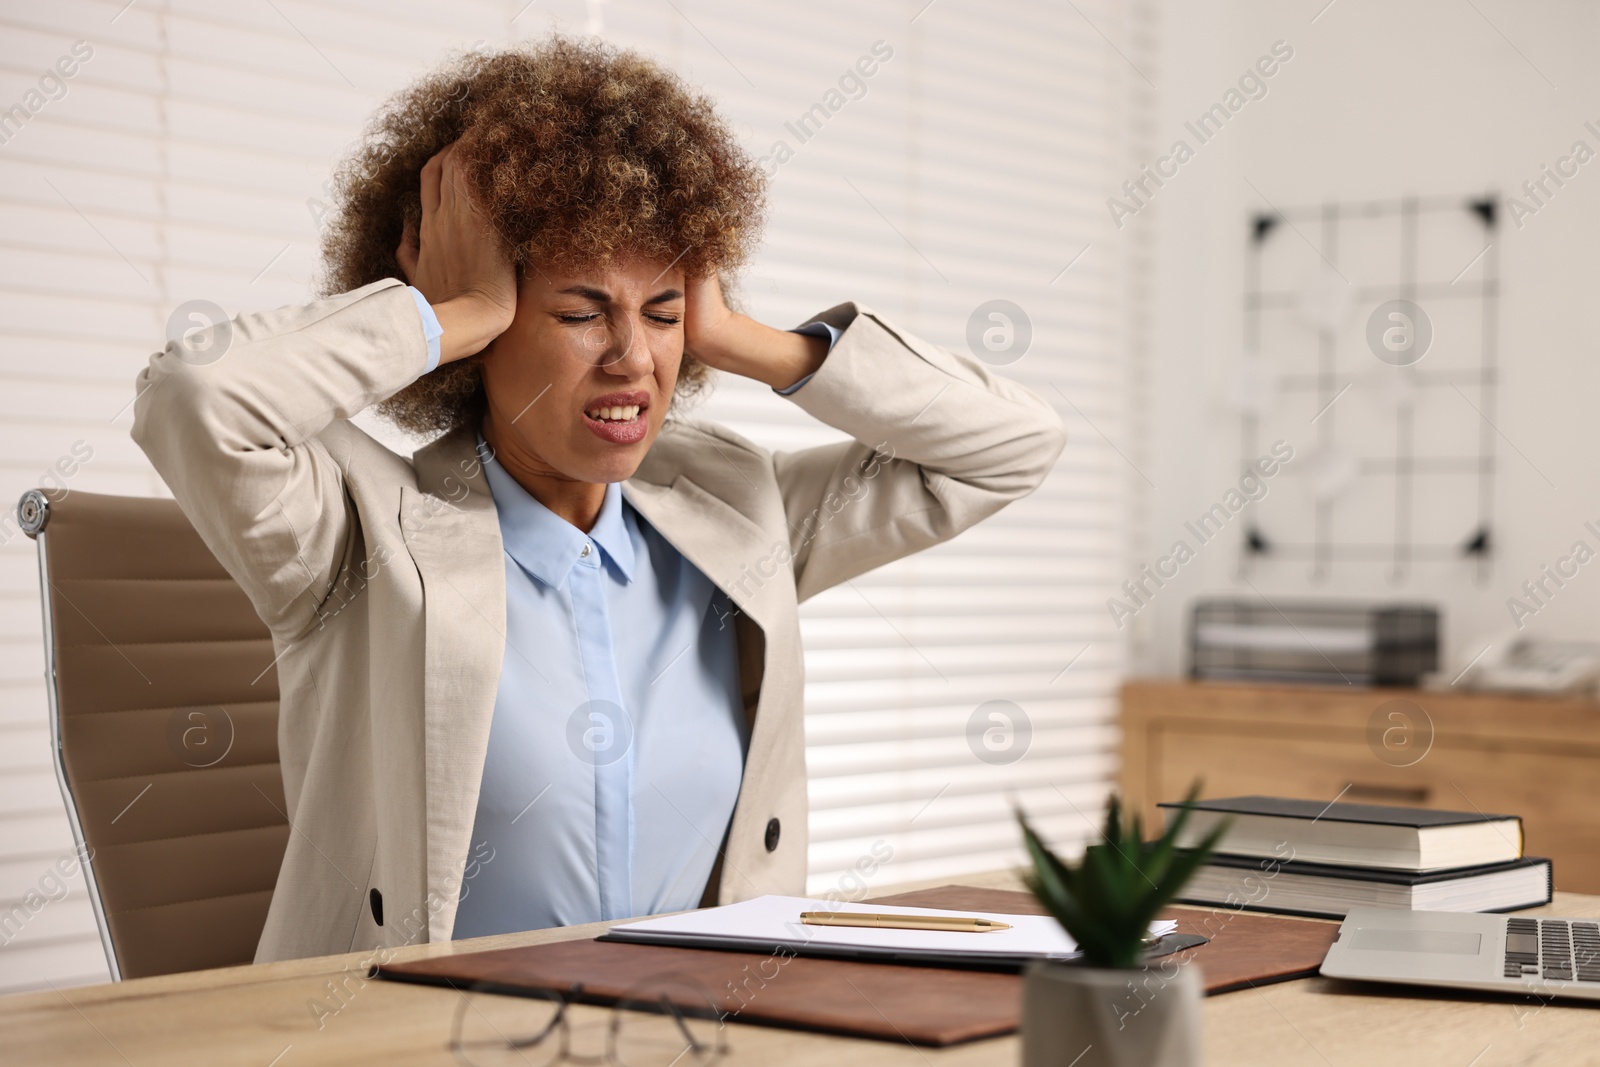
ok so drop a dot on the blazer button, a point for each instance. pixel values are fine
(375, 898)
(772, 835)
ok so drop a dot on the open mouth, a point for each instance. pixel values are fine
(619, 418)
(615, 413)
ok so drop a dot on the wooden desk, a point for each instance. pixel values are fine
(261, 1017)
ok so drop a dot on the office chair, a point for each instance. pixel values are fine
(163, 722)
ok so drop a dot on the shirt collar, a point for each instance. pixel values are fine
(546, 545)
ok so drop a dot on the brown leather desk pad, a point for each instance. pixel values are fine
(897, 1002)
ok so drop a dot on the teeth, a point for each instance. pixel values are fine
(625, 413)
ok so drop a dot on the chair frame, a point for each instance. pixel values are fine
(33, 515)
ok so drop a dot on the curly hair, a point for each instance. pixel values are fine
(578, 153)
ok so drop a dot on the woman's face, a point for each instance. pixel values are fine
(579, 385)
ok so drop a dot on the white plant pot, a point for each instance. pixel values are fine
(1077, 1016)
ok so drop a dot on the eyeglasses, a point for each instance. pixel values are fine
(669, 1020)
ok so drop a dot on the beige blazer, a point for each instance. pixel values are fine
(383, 583)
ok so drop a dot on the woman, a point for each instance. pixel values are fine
(548, 670)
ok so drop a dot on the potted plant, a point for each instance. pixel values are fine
(1108, 1009)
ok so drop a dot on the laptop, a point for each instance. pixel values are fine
(1496, 953)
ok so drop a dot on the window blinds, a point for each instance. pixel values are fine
(972, 166)
(185, 155)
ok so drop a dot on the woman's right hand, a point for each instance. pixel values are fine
(458, 263)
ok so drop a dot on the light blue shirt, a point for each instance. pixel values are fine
(430, 326)
(618, 739)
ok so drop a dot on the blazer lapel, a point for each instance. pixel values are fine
(737, 555)
(452, 530)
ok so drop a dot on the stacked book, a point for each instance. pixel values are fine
(1309, 857)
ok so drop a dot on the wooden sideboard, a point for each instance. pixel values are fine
(1530, 756)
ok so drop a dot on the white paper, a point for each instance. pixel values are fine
(776, 920)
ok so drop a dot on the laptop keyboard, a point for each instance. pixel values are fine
(1553, 949)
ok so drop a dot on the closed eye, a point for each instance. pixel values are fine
(579, 318)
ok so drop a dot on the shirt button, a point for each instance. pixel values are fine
(585, 552)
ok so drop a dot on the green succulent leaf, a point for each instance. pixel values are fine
(1108, 899)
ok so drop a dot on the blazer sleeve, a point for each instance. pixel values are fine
(237, 438)
(939, 444)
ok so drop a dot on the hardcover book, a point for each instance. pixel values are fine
(1356, 835)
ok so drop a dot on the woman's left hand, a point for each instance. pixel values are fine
(720, 337)
(706, 318)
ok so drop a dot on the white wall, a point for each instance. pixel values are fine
(1381, 99)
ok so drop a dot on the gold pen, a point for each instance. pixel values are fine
(957, 923)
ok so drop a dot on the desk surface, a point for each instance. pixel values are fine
(264, 1017)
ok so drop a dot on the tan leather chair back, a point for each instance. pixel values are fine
(164, 722)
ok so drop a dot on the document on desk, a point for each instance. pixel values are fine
(772, 923)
